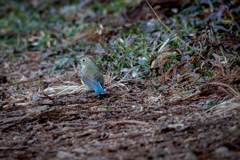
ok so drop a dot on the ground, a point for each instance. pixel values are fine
(166, 98)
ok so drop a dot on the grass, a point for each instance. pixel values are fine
(51, 26)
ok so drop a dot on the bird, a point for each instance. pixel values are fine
(91, 76)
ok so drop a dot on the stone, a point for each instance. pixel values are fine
(222, 152)
(64, 155)
(79, 150)
(69, 129)
(29, 127)
(16, 113)
(190, 156)
(35, 97)
(37, 109)
(159, 152)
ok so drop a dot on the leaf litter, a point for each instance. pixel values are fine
(185, 106)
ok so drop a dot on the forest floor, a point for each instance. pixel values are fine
(173, 102)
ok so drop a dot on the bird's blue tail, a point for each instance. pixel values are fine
(99, 89)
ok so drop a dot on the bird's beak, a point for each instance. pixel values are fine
(78, 61)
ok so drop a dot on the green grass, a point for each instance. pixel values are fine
(50, 26)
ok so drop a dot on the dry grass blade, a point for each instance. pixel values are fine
(171, 31)
(120, 84)
(72, 88)
(235, 93)
(68, 88)
(224, 108)
(163, 46)
(120, 122)
(64, 90)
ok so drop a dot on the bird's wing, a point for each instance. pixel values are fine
(88, 80)
(99, 78)
(95, 82)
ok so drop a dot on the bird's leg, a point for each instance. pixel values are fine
(87, 93)
(99, 96)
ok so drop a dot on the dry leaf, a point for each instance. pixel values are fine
(161, 56)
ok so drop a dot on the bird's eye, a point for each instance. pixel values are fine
(84, 60)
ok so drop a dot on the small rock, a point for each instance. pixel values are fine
(19, 152)
(64, 155)
(92, 123)
(135, 74)
(35, 97)
(29, 128)
(8, 120)
(125, 70)
(65, 136)
(159, 152)
(63, 131)
(94, 158)
(139, 109)
(16, 113)
(100, 145)
(19, 138)
(69, 129)
(112, 148)
(37, 109)
(31, 141)
(79, 150)
(185, 57)
(222, 152)
(40, 73)
(86, 145)
(190, 156)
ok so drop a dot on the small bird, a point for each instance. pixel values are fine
(91, 76)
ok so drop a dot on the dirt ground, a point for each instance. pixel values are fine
(134, 124)
(50, 116)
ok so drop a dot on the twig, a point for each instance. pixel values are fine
(120, 122)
